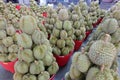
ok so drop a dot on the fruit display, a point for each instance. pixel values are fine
(61, 39)
(96, 64)
(35, 58)
(96, 12)
(78, 24)
(8, 46)
(50, 20)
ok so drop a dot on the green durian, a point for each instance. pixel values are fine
(28, 24)
(12, 56)
(17, 76)
(26, 55)
(56, 32)
(63, 34)
(2, 34)
(44, 76)
(22, 67)
(13, 48)
(65, 51)
(10, 30)
(53, 40)
(53, 68)
(8, 41)
(23, 40)
(60, 43)
(56, 51)
(67, 25)
(37, 67)
(58, 24)
(63, 14)
(3, 57)
(29, 77)
(3, 22)
(40, 51)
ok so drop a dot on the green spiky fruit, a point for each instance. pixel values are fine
(91, 73)
(37, 67)
(76, 24)
(13, 48)
(56, 32)
(60, 43)
(83, 63)
(116, 36)
(65, 51)
(53, 40)
(2, 34)
(67, 25)
(29, 77)
(77, 32)
(3, 57)
(26, 55)
(53, 68)
(74, 73)
(44, 76)
(12, 56)
(22, 67)
(75, 17)
(24, 40)
(28, 24)
(3, 23)
(71, 32)
(8, 41)
(109, 26)
(52, 21)
(63, 34)
(102, 52)
(40, 51)
(75, 58)
(48, 59)
(17, 76)
(10, 30)
(58, 24)
(56, 51)
(63, 14)
(38, 37)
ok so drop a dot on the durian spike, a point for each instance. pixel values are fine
(106, 37)
(82, 50)
(102, 67)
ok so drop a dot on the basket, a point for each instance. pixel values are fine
(78, 44)
(9, 66)
(63, 60)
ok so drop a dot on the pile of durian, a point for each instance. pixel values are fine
(108, 26)
(61, 37)
(8, 45)
(35, 58)
(96, 12)
(50, 20)
(99, 63)
(78, 24)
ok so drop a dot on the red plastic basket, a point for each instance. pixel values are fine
(44, 14)
(98, 22)
(18, 7)
(78, 44)
(9, 66)
(87, 34)
(63, 60)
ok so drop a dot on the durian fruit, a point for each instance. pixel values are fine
(109, 26)
(28, 24)
(102, 52)
(8, 41)
(12, 56)
(22, 67)
(44, 76)
(38, 37)
(63, 14)
(10, 30)
(23, 40)
(37, 67)
(17, 76)
(53, 68)
(51, 20)
(3, 23)
(35, 62)
(2, 34)
(29, 77)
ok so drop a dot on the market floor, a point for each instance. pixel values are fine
(5, 75)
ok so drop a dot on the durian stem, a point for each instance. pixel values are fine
(102, 67)
(106, 37)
